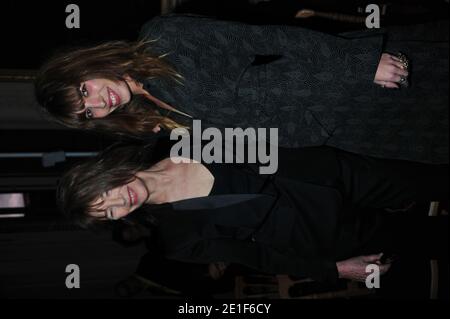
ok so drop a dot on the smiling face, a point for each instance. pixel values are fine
(120, 201)
(102, 96)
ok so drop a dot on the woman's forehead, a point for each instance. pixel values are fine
(102, 202)
(74, 101)
(97, 209)
(98, 214)
(98, 202)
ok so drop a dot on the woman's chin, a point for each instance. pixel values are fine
(134, 208)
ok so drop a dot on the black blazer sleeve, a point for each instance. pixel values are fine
(354, 60)
(259, 257)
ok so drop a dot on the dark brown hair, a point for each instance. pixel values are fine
(84, 183)
(58, 81)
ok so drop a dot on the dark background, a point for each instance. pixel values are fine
(33, 29)
(34, 250)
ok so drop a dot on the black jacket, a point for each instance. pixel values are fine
(276, 229)
(320, 207)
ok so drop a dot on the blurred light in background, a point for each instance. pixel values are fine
(12, 200)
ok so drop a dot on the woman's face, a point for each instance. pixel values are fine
(102, 96)
(120, 201)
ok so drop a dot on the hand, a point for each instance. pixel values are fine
(305, 13)
(156, 129)
(216, 270)
(355, 268)
(390, 71)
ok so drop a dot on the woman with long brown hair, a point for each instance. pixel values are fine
(317, 89)
(111, 70)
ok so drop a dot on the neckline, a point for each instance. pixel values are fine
(163, 104)
(209, 169)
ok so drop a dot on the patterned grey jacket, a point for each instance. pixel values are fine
(317, 89)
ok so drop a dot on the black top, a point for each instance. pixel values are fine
(286, 223)
(321, 206)
(232, 179)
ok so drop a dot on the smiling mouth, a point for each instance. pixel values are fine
(113, 98)
(132, 196)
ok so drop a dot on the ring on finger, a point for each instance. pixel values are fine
(403, 59)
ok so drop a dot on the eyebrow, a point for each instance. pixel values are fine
(106, 215)
(80, 95)
(79, 89)
(82, 111)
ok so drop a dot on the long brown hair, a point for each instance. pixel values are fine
(58, 81)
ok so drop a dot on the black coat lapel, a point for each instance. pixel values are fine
(213, 202)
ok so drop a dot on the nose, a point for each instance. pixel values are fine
(97, 102)
(115, 202)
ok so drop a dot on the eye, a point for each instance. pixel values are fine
(105, 195)
(83, 90)
(111, 214)
(108, 214)
(89, 113)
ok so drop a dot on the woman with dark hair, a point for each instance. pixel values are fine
(309, 219)
(317, 89)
